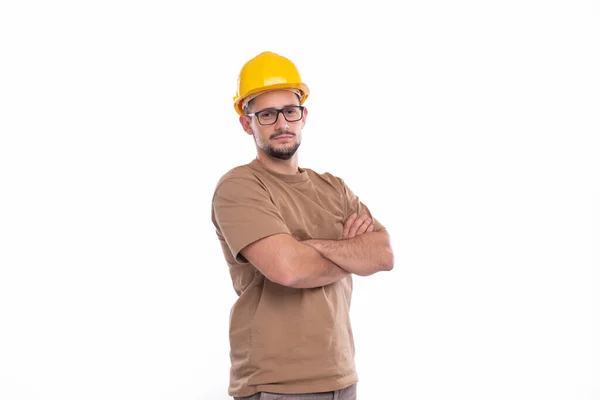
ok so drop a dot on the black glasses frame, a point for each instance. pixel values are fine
(278, 110)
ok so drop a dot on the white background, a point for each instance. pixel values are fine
(470, 129)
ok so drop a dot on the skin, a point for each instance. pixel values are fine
(267, 135)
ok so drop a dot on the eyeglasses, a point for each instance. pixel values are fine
(269, 116)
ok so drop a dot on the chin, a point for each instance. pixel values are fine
(284, 153)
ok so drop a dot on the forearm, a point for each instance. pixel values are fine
(311, 269)
(363, 255)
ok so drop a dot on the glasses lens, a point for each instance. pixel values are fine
(292, 113)
(267, 117)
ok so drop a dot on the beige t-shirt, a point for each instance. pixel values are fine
(282, 339)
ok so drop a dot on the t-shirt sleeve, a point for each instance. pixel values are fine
(354, 205)
(245, 213)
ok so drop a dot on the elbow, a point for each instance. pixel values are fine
(387, 263)
(288, 280)
(387, 255)
(284, 279)
(287, 276)
(295, 282)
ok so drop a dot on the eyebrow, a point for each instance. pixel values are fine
(273, 108)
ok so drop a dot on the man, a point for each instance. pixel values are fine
(292, 239)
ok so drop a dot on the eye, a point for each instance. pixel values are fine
(266, 114)
(292, 111)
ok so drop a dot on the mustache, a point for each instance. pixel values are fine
(281, 133)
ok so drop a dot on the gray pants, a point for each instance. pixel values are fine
(348, 393)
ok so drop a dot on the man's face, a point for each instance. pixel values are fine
(281, 139)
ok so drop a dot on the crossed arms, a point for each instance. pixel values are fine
(315, 262)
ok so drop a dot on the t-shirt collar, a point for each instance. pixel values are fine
(302, 175)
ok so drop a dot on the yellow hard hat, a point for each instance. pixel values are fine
(267, 71)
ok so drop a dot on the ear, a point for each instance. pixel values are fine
(304, 114)
(245, 122)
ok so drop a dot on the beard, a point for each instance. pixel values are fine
(282, 153)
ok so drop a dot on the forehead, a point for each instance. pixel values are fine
(275, 99)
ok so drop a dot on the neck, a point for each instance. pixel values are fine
(288, 167)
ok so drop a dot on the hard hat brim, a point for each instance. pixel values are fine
(237, 105)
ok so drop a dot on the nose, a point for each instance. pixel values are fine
(281, 122)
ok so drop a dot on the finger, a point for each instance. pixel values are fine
(363, 228)
(348, 224)
(371, 227)
(359, 221)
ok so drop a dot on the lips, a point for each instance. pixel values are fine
(282, 137)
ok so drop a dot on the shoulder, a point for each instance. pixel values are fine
(239, 173)
(241, 184)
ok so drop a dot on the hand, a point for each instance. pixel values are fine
(357, 225)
